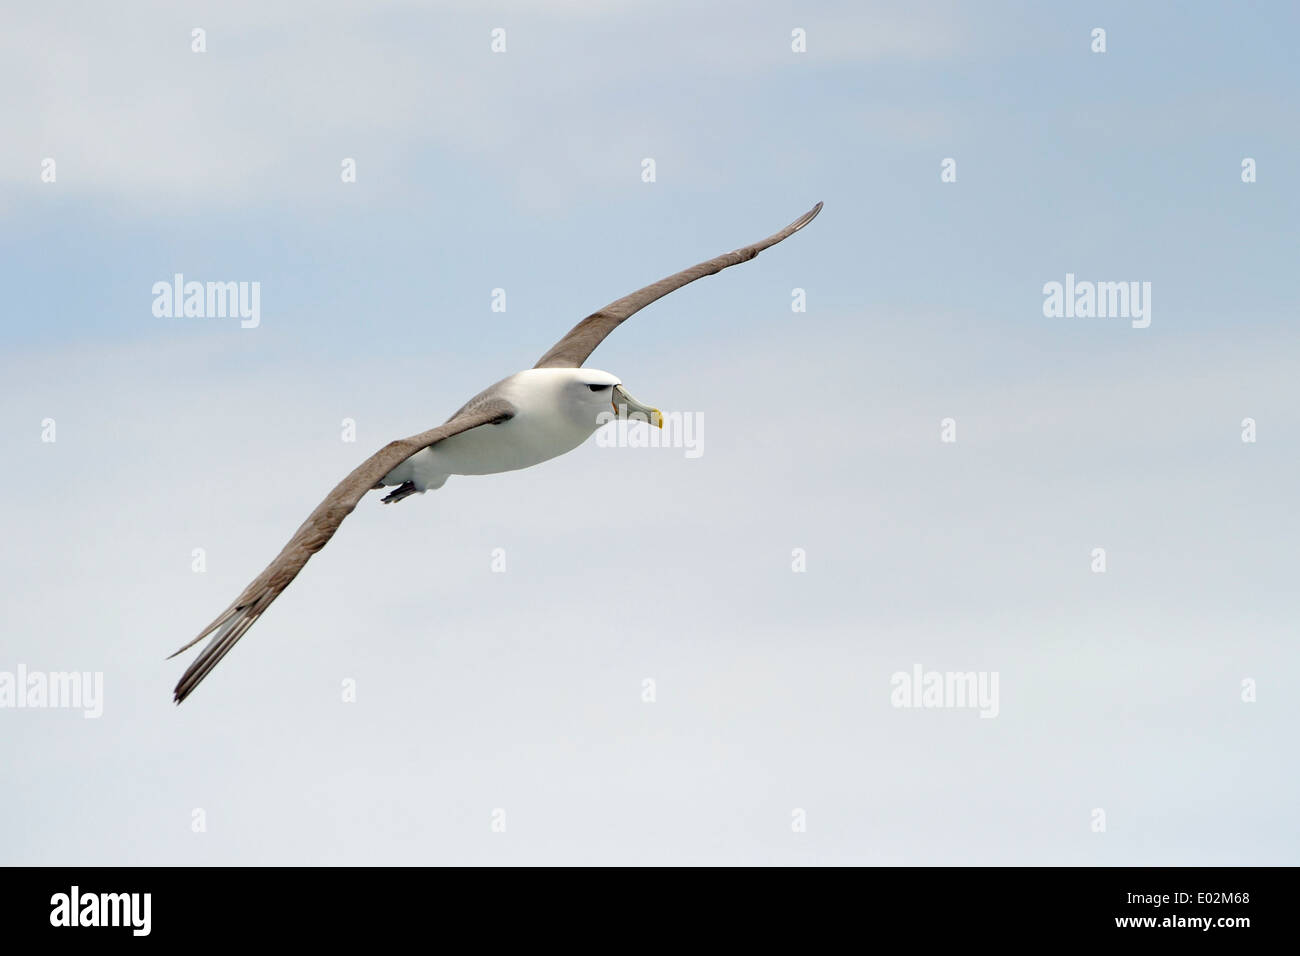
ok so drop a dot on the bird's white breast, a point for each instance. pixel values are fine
(544, 426)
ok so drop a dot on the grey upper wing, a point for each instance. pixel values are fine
(575, 348)
(319, 527)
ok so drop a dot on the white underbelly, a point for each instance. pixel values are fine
(488, 450)
(516, 443)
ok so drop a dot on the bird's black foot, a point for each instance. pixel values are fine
(404, 490)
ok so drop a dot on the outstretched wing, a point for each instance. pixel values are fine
(319, 527)
(576, 347)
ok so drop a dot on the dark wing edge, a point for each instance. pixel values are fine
(576, 346)
(232, 623)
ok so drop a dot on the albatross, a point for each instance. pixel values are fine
(530, 417)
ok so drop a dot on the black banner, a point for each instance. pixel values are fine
(1150, 905)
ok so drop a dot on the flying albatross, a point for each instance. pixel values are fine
(523, 420)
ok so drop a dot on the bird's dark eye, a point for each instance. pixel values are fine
(598, 388)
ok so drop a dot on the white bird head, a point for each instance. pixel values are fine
(585, 397)
(591, 396)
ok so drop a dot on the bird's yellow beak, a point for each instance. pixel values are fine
(630, 404)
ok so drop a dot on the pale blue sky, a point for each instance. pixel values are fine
(522, 690)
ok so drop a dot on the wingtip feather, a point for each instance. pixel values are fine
(808, 217)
